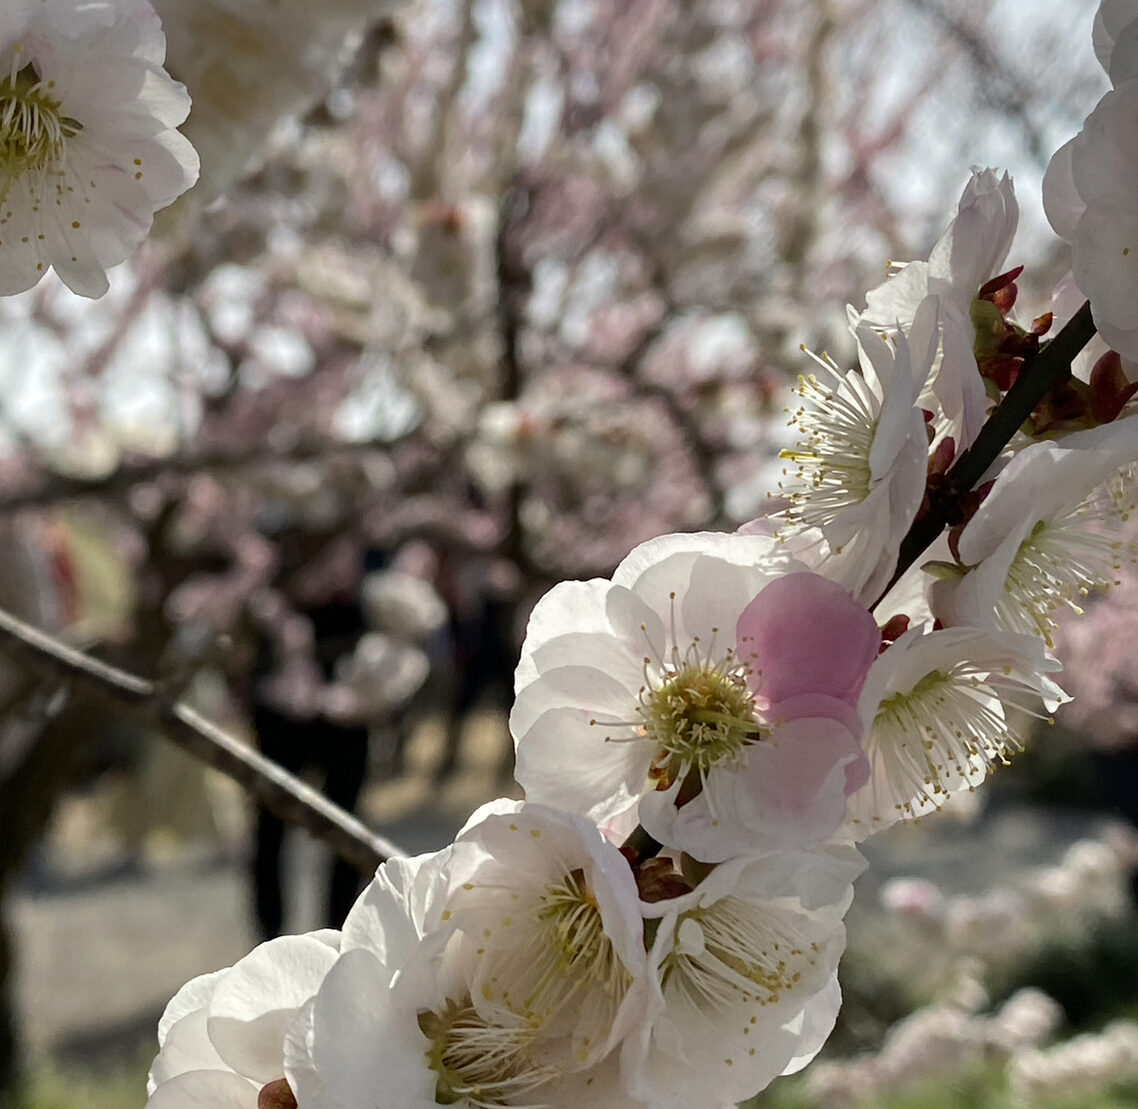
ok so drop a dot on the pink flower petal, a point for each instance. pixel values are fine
(800, 777)
(807, 635)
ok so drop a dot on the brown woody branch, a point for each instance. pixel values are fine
(267, 783)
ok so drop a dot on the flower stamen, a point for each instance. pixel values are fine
(480, 1064)
(699, 713)
(33, 131)
(729, 953)
(563, 973)
(944, 731)
(832, 457)
(1067, 556)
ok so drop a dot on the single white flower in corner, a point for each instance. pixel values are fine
(222, 1035)
(88, 146)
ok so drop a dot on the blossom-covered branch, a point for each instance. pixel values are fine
(1038, 375)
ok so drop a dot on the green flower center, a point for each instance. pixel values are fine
(701, 714)
(33, 130)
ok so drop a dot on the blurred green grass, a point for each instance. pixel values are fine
(124, 1087)
(121, 1086)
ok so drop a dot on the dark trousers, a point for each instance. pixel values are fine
(341, 755)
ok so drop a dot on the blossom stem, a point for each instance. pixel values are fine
(1039, 374)
(639, 846)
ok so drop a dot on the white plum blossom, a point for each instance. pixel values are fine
(551, 909)
(1046, 534)
(494, 973)
(935, 706)
(88, 146)
(222, 1034)
(743, 978)
(706, 691)
(860, 466)
(973, 249)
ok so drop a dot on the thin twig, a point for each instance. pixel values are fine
(1039, 374)
(271, 786)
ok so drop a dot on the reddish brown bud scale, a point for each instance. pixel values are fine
(894, 628)
(997, 284)
(658, 880)
(276, 1095)
(1109, 388)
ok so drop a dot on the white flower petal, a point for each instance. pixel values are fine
(976, 244)
(186, 1046)
(253, 1004)
(195, 994)
(400, 905)
(616, 658)
(592, 770)
(205, 1089)
(895, 301)
(577, 603)
(1062, 203)
(365, 1047)
(588, 689)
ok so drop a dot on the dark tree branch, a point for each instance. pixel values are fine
(280, 792)
(1037, 377)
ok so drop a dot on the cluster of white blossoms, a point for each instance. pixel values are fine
(704, 739)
